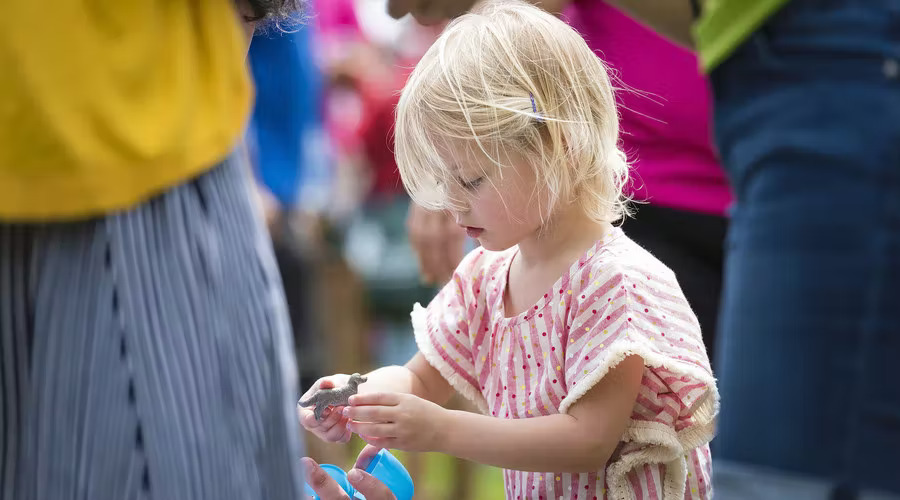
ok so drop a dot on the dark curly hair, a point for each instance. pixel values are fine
(274, 11)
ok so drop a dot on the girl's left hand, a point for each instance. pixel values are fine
(397, 421)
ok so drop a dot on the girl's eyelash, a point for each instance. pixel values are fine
(473, 183)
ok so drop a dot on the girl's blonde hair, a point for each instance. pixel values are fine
(509, 76)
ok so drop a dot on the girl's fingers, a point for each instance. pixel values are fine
(376, 399)
(369, 413)
(330, 429)
(337, 433)
(348, 434)
(308, 420)
(332, 417)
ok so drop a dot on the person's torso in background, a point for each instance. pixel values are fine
(665, 109)
(103, 104)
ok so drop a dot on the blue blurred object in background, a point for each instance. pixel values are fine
(287, 123)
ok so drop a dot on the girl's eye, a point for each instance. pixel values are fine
(473, 184)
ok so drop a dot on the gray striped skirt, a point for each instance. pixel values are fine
(147, 354)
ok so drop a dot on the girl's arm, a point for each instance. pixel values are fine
(580, 441)
(416, 377)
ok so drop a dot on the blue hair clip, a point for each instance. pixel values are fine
(534, 107)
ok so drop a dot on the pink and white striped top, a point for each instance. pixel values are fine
(616, 300)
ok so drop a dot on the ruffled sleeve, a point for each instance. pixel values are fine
(444, 330)
(631, 312)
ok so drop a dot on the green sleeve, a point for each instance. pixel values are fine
(725, 24)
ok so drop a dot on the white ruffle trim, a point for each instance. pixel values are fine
(419, 317)
(664, 444)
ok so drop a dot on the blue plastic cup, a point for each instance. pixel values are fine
(386, 468)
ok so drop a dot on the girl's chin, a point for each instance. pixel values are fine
(493, 246)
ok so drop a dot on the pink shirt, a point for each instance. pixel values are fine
(616, 300)
(666, 114)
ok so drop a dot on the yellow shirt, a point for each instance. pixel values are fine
(104, 103)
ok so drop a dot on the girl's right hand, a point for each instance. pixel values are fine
(333, 426)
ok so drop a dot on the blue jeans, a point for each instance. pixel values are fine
(808, 125)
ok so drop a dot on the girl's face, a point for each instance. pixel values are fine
(499, 210)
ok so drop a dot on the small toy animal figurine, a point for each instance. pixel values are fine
(339, 396)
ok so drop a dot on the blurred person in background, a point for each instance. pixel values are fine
(146, 349)
(807, 123)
